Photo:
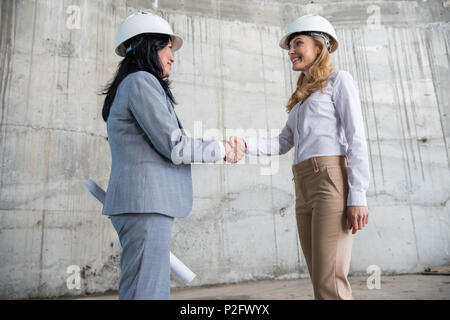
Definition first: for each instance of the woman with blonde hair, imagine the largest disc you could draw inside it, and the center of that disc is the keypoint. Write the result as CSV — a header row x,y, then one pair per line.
x,y
331,177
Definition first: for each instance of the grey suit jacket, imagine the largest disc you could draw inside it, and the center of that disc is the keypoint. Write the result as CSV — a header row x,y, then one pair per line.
x,y
151,154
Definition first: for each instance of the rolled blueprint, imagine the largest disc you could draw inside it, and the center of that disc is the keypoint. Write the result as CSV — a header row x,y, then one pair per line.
x,y
176,266
179,268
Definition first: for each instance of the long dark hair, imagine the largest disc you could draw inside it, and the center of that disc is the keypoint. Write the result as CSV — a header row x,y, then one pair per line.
x,y
143,57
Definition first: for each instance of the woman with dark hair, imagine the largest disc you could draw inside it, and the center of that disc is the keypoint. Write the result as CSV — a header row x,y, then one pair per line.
x,y
150,182
331,175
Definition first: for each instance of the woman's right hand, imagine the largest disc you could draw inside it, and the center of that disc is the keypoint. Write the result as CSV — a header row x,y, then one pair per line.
x,y
234,149
239,147
230,155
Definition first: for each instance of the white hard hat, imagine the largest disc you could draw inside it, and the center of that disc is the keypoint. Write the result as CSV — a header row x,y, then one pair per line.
x,y
144,22
312,23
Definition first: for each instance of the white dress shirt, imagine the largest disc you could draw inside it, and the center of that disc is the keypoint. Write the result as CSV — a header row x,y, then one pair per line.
x,y
317,127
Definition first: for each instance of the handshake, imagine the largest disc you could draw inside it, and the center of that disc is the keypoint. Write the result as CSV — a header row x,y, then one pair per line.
x,y
235,149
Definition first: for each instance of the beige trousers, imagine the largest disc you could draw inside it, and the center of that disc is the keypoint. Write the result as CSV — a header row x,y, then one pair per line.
x,y
321,189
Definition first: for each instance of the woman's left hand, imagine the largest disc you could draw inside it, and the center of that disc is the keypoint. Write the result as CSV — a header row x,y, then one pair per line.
x,y
357,217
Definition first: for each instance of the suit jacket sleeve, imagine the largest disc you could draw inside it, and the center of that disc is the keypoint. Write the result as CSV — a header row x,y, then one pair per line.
x,y
149,105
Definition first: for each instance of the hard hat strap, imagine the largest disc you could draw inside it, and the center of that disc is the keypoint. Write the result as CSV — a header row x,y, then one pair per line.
x,y
325,37
131,47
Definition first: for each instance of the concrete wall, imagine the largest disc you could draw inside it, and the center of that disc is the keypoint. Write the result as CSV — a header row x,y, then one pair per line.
x,y
230,73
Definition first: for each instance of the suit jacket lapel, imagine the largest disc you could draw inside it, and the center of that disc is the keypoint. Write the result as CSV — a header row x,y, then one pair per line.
x,y
172,110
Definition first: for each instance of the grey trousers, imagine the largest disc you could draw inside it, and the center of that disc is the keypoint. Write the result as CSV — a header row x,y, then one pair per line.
x,y
145,259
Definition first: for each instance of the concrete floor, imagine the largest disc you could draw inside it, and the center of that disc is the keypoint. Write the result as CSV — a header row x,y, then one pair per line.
x,y
408,287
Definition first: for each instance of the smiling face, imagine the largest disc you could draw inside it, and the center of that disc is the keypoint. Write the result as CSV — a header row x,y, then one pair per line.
x,y
166,58
302,52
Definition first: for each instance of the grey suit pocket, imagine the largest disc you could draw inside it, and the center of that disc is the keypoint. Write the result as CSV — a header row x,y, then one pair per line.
x,y
118,223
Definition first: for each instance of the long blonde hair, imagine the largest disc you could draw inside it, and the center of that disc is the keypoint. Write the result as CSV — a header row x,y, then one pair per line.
x,y
315,78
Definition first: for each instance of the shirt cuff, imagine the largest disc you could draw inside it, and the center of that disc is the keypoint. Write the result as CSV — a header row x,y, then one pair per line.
x,y
222,150
357,198
252,145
